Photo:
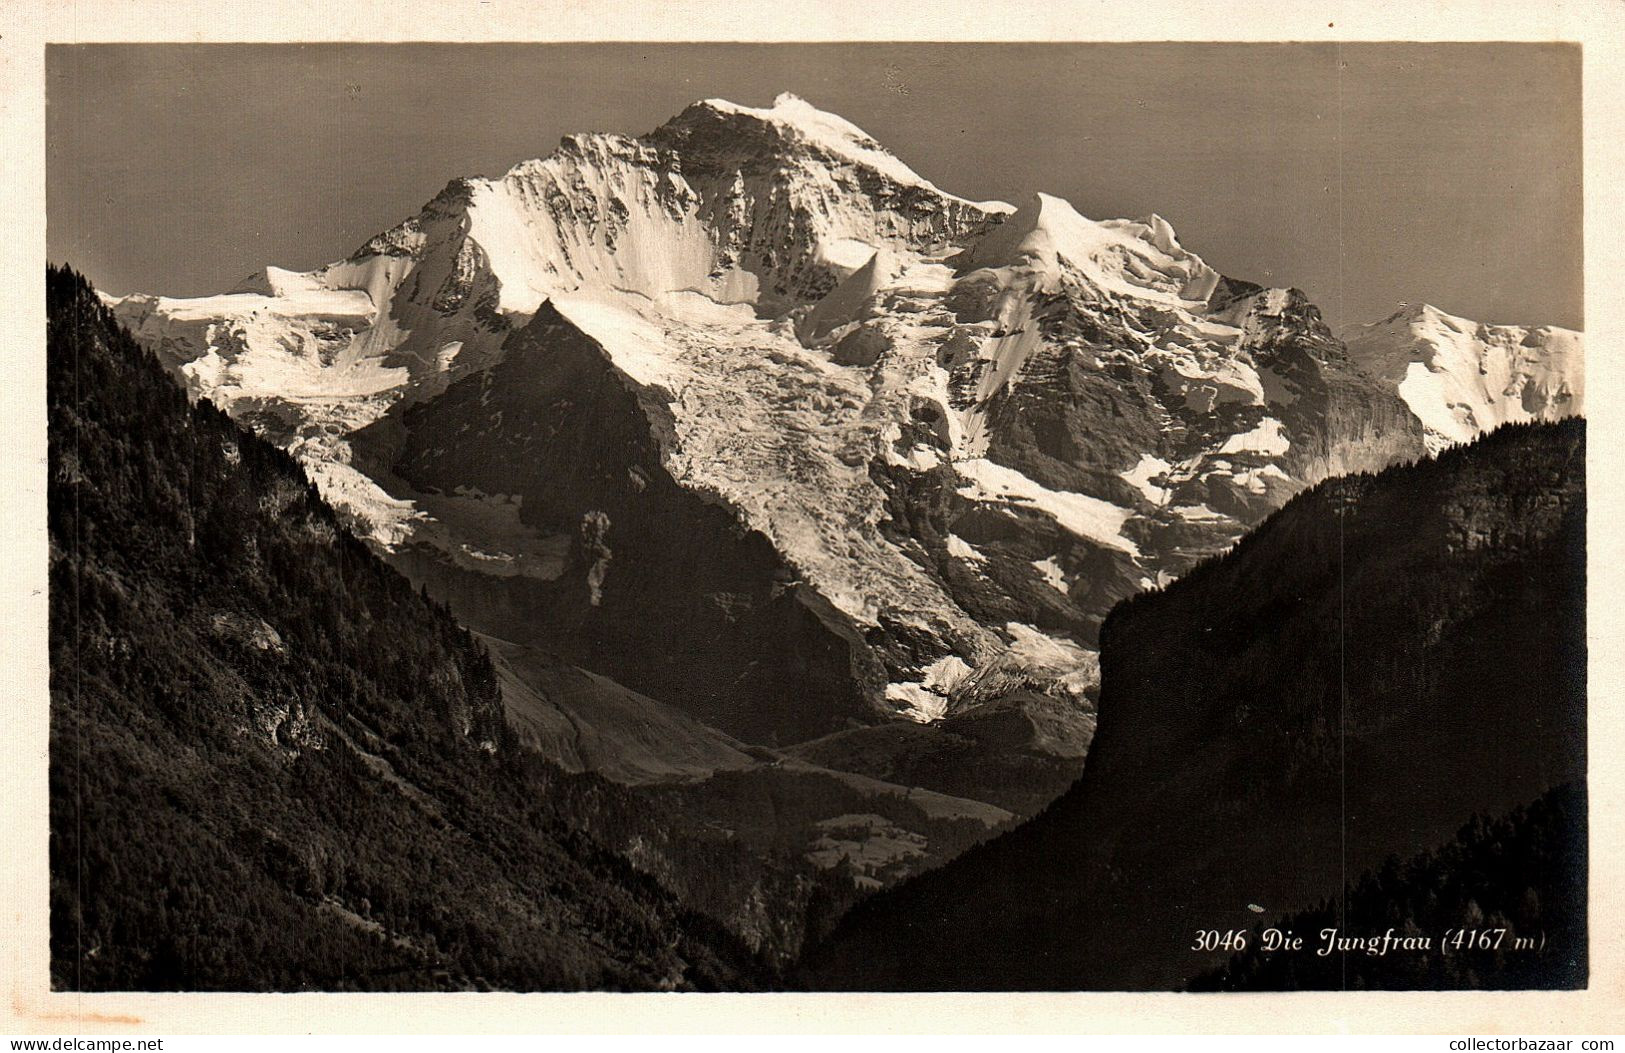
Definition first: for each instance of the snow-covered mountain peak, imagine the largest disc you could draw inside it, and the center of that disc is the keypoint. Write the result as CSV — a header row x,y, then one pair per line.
x,y
1422,317
798,123
791,111
1135,258
1463,378
1420,311
771,206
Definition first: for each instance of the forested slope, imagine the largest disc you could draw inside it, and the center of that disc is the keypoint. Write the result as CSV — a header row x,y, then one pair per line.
x,y
273,764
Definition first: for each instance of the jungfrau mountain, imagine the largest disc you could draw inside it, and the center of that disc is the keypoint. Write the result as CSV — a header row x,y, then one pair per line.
x,y
750,418
1290,736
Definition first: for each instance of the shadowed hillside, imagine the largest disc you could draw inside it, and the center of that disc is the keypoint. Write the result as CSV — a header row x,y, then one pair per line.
x,y
1384,658
276,766
1517,877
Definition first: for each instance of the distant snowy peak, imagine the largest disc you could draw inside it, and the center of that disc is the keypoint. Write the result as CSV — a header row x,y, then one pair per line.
x,y
796,118
770,206
1463,378
1137,258
798,122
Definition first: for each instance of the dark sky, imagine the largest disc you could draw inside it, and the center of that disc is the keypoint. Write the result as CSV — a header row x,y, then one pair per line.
x,y
1365,174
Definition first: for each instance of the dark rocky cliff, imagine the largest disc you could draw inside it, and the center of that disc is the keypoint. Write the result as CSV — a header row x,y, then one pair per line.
x,y
662,589
1381,660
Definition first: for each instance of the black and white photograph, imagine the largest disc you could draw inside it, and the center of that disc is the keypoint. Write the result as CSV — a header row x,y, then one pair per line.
x,y
831,516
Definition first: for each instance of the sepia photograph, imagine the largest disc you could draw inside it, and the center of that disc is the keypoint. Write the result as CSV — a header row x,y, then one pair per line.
x,y
962,517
